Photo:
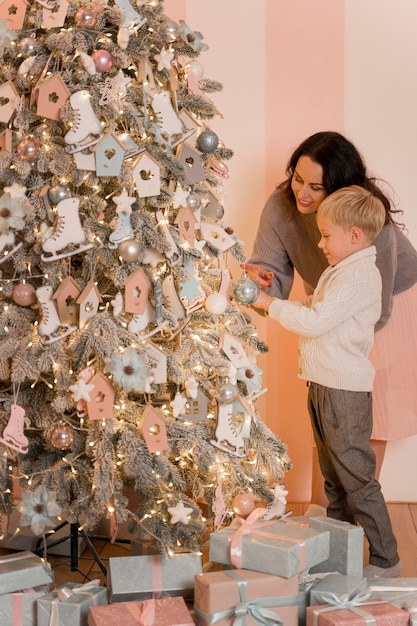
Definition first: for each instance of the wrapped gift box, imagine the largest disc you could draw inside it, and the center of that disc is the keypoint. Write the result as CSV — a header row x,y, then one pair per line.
x,y
382,613
143,577
217,595
69,604
19,608
162,612
344,587
270,547
139,548
346,547
306,582
401,592
23,570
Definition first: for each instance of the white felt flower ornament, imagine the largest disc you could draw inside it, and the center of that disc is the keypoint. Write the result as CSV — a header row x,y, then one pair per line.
x,y
130,370
192,37
12,212
39,509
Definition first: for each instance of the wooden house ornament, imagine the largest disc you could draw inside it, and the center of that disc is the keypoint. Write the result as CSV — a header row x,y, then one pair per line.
x,y
190,159
100,405
51,95
55,16
13,12
6,141
158,361
85,160
8,98
189,120
212,207
154,430
66,297
147,174
137,288
109,154
234,351
196,408
216,236
186,221
89,300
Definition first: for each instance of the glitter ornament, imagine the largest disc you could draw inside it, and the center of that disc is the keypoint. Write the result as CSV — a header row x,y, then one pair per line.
x,y
226,394
58,193
245,290
62,436
243,504
129,250
216,303
207,141
86,17
28,150
103,60
24,294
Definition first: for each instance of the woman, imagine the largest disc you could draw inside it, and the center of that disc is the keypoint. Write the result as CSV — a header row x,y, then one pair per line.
x,y
287,240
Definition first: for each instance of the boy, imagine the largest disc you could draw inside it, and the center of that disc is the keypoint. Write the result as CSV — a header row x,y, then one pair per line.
x,y
336,328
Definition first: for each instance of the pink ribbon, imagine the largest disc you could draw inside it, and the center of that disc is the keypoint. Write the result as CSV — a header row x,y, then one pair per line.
x,y
156,573
143,613
249,526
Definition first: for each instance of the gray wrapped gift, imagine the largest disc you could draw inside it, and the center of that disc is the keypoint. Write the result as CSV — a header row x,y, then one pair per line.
x,y
283,549
19,607
69,604
344,587
152,576
23,571
346,547
401,592
306,582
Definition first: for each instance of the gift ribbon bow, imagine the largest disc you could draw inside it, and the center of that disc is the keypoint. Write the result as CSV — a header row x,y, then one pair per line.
x,y
361,599
257,610
251,525
144,613
66,592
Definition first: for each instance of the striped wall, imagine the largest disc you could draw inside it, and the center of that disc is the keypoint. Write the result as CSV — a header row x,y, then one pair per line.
x,y
290,68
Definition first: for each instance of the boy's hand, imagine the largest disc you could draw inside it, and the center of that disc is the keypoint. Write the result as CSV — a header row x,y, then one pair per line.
x,y
263,302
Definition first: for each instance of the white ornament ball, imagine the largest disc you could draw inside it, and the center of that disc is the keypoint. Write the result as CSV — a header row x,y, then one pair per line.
x,y
196,67
243,504
129,250
24,294
207,141
227,394
216,303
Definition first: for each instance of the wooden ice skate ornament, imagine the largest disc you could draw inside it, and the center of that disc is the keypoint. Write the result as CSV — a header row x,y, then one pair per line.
x,y
100,405
171,126
132,19
57,240
154,430
86,130
50,325
226,436
124,230
13,436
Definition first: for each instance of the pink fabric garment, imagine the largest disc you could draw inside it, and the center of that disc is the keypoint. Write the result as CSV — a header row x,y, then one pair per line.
x,y
394,357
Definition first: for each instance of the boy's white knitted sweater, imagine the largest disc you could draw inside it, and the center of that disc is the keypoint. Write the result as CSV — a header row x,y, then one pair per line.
x,y
336,323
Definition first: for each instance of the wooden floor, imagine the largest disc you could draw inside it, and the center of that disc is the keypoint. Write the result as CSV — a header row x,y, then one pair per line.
x,y
403,517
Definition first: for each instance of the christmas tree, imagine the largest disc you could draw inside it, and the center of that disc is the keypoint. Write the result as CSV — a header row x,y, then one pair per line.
x,y
127,366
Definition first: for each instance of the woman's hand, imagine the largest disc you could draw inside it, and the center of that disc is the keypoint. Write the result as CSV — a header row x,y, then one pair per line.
x,y
257,273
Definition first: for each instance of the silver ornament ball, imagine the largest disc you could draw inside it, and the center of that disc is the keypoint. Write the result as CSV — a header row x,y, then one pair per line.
x,y
193,201
58,193
171,29
27,46
245,291
129,250
207,141
227,394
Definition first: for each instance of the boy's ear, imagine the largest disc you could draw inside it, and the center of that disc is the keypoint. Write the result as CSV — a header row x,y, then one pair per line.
x,y
355,234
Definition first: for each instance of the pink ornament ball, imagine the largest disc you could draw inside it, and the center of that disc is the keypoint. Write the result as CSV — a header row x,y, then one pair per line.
x,y
62,437
103,60
86,17
24,294
28,150
243,504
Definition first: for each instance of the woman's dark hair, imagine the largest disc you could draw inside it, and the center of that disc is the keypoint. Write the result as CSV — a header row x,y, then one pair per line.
x,y
342,166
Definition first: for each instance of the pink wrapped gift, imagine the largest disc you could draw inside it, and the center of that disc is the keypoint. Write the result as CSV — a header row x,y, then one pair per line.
x,y
221,598
163,612
359,611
